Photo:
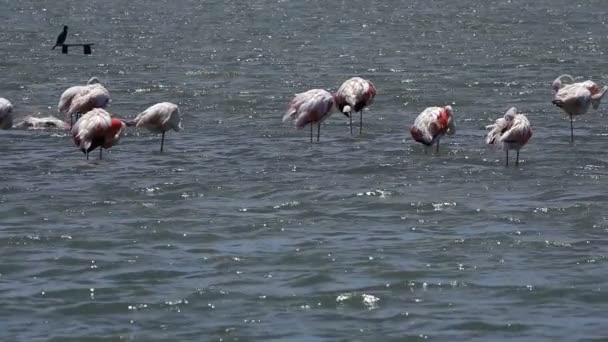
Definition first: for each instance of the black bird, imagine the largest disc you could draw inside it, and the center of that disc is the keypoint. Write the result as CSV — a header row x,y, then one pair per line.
x,y
61,37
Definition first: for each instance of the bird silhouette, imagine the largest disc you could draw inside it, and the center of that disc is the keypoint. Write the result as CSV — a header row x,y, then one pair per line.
x,y
61,37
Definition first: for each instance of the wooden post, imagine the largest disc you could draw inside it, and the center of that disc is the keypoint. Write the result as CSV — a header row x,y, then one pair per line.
x,y
86,47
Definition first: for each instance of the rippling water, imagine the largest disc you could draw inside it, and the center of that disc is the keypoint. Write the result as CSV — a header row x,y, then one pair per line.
x,y
242,230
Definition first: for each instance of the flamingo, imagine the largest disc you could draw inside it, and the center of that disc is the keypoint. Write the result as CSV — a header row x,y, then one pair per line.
x,y
6,114
159,118
513,131
433,123
65,102
42,123
310,107
95,129
353,95
61,37
575,98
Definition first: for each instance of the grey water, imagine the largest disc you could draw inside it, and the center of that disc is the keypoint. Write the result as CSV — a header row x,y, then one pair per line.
x,y
244,231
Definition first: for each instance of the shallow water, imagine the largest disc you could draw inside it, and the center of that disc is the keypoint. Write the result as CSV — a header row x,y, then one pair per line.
x,y
242,230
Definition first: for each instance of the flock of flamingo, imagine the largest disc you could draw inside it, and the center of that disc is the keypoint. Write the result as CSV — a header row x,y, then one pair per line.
x,y
92,127
511,132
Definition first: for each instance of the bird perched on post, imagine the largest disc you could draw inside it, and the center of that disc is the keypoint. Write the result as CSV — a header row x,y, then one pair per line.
x,y
159,118
513,131
61,37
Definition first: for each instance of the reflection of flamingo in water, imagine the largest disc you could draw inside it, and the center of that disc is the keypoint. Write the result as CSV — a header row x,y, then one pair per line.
x,y
432,124
512,131
310,107
575,98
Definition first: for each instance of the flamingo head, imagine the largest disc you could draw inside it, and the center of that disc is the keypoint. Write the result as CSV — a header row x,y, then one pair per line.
x,y
93,80
65,28
447,115
347,110
592,87
557,84
510,114
117,126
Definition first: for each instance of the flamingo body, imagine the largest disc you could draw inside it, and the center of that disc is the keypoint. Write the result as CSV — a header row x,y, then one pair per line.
x,y
512,131
6,114
353,95
89,97
159,118
32,122
576,98
97,128
432,124
310,107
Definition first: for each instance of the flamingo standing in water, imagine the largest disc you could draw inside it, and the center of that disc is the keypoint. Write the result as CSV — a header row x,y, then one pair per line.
x,y
513,131
65,101
310,107
95,129
575,98
432,124
6,114
353,95
159,118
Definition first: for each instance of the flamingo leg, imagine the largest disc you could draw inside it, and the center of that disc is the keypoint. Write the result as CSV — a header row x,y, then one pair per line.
x,y
162,142
311,132
437,148
318,131
350,116
87,153
100,152
507,159
517,159
361,121
571,129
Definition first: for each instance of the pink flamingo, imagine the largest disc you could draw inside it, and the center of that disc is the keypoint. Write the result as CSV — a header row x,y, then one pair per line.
x,y
310,107
6,114
353,95
513,131
159,118
65,101
575,98
95,129
432,124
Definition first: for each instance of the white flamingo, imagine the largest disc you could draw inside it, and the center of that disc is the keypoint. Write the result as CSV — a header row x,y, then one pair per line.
x,y
353,95
575,98
67,99
512,131
432,124
159,118
6,114
33,122
310,107
95,129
